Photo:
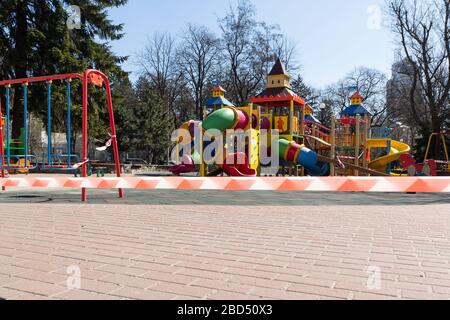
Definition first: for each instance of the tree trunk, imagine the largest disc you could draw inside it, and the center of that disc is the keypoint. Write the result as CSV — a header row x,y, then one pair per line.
x,y
437,142
20,67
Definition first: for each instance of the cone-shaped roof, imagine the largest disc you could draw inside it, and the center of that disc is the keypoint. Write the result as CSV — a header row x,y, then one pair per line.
x,y
356,95
218,102
278,68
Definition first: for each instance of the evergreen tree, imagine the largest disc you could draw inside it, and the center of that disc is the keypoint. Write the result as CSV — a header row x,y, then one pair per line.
x,y
36,39
145,125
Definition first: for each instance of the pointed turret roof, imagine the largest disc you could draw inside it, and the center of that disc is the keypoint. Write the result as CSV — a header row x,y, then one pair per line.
x,y
219,88
356,95
278,68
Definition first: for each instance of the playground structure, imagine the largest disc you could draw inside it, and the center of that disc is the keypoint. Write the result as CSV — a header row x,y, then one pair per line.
x,y
306,147
429,167
15,155
18,158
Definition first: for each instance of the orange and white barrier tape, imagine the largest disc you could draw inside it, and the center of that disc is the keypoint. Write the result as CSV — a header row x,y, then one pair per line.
x,y
329,184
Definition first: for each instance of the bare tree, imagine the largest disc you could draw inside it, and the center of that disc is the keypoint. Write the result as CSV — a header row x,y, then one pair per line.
x,y
197,58
370,83
286,49
158,63
273,44
238,30
251,47
423,30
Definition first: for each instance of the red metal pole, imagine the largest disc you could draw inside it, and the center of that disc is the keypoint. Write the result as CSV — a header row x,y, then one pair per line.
x,y
86,81
2,147
84,133
113,132
41,79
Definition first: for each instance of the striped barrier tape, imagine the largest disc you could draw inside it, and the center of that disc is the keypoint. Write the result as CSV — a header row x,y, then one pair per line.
x,y
329,184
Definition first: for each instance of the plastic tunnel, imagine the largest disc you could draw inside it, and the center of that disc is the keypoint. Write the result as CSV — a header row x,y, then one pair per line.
x,y
299,154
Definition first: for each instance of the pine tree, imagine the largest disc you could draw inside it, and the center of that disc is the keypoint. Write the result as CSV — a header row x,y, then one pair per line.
x,y
145,125
35,39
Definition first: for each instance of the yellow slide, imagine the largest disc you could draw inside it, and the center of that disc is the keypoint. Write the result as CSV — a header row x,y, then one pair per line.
x,y
397,149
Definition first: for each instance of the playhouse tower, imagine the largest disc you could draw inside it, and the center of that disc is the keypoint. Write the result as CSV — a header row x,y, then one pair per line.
x,y
217,101
352,131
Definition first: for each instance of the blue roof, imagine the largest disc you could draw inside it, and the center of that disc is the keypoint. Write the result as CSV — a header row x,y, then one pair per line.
x,y
309,117
354,110
218,102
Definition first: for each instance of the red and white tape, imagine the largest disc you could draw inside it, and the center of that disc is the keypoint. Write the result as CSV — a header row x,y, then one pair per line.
x,y
329,184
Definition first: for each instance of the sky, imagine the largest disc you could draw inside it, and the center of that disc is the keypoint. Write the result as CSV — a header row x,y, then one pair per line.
x,y
333,36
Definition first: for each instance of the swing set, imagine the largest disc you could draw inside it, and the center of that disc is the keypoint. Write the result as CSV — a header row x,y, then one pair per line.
x,y
17,157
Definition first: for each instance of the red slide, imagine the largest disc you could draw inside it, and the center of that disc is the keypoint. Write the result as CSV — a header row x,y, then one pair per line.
x,y
235,168
187,166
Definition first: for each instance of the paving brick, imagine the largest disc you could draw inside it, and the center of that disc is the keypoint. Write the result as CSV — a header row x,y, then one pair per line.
x,y
258,282
227,252
191,291
130,281
4,279
419,295
98,286
147,266
304,280
211,275
137,294
83,295
373,296
10,294
129,271
166,277
264,293
47,277
233,296
320,291
222,285
35,287
363,288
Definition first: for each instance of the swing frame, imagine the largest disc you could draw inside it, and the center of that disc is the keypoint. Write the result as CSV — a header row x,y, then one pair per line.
x,y
89,77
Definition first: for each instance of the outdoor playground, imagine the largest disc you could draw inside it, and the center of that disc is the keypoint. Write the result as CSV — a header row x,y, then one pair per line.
x,y
220,225
350,148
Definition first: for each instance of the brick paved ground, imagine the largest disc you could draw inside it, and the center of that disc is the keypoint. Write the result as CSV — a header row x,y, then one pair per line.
x,y
213,249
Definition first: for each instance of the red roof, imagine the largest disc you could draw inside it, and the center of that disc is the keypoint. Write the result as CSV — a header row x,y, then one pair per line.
x,y
271,95
357,95
219,88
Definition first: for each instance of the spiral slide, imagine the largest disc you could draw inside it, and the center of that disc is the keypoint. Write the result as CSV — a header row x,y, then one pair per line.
x,y
397,149
295,153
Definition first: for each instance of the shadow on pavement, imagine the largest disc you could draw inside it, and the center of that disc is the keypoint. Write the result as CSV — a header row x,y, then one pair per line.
x,y
228,198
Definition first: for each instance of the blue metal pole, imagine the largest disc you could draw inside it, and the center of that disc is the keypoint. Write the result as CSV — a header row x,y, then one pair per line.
x,y
389,166
68,124
8,129
25,123
49,122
